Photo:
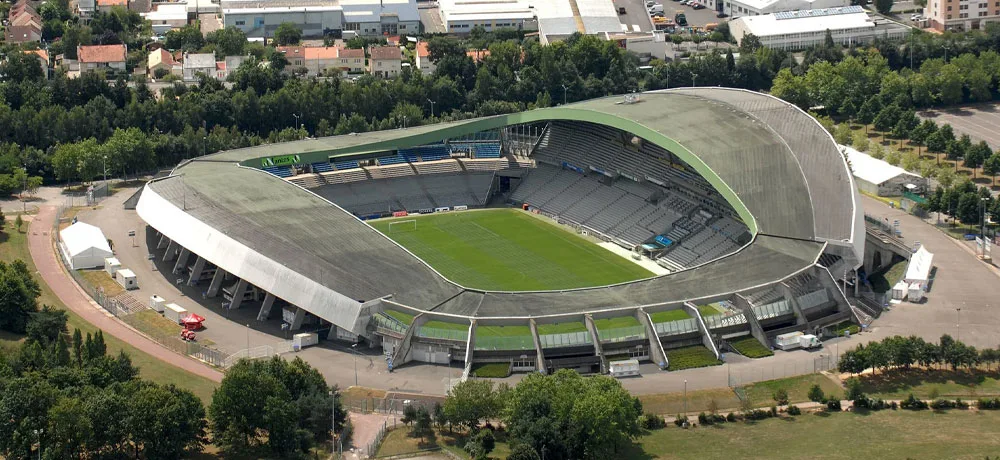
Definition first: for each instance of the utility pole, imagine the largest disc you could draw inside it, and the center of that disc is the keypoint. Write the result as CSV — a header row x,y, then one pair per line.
x,y
333,423
432,107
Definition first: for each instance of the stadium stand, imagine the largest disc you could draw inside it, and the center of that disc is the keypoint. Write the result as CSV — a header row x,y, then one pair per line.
x,y
414,193
391,160
280,171
437,167
322,167
342,165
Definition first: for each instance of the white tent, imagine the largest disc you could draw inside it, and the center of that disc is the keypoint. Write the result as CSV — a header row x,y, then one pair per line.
x,y
919,270
84,246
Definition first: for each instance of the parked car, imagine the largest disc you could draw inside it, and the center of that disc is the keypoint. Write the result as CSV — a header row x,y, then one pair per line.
x,y
698,6
621,10
658,14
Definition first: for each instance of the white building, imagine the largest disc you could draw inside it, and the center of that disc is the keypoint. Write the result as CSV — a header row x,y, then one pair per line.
x,y
198,63
461,16
796,30
876,177
557,21
424,63
739,8
315,19
84,246
167,16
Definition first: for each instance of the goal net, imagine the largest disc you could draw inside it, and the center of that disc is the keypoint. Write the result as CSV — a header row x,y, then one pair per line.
x,y
398,226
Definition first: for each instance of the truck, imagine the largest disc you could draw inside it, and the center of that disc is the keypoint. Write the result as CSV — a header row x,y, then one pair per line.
x,y
305,339
624,368
794,340
174,312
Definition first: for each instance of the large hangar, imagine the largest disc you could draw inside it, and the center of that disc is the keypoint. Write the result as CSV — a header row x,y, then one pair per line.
x,y
743,201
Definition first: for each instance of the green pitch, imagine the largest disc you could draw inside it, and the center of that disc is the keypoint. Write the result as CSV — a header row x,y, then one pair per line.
x,y
508,250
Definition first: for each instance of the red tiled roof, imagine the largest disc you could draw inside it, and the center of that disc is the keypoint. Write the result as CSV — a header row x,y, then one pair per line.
x,y
321,52
423,49
477,55
112,2
165,56
386,52
101,53
291,51
42,54
355,53
220,65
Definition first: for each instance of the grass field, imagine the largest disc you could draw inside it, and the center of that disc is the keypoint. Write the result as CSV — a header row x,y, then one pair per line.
x,y
503,331
490,370
404,318
443,325
750,347
762,393
669,315
101,279
615,323
561,328
710,309
13,245
690,357
899,383
510,250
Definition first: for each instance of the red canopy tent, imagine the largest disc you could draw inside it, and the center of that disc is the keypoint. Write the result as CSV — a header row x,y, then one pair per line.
x,y
192,321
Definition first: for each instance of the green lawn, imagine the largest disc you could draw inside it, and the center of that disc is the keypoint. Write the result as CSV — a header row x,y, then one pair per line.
x,y
561,328
490,370
510,250
882,435
690,357
13,245
762,393
446,326
669,315
398,442
404,318
616,322
710,309
899,383
503,331
750,347
886,277
842,327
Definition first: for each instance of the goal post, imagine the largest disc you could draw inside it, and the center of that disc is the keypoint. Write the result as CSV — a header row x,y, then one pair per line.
x,y
407,225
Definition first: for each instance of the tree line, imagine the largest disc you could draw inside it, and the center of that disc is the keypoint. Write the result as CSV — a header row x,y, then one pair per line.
x,y
905,352
63,396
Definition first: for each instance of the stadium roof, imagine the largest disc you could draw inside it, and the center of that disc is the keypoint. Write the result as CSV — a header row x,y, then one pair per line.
x,y
773,163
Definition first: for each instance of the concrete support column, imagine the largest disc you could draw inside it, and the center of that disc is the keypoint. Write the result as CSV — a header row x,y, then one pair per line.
x,y
241,289
213,288
265,308
800,318
300,316
755,328
656,353
199,265
181,260
595,337
164,242
171,251
539,355
706,335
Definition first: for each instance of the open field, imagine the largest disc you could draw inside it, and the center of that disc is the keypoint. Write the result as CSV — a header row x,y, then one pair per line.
x,y
13,245
444,325
509,250
710,309
690,357
750,347
669,315
615,323
899,383
762,393
101,279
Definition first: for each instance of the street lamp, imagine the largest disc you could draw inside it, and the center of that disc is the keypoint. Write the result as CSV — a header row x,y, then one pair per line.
x,y
104,162
333,422
432,106
296,118
353,346
982,202
565,89
24,187
685,397
958,324
694,79
946,48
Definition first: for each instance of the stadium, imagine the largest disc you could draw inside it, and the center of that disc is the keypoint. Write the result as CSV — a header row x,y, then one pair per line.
x,y
564,237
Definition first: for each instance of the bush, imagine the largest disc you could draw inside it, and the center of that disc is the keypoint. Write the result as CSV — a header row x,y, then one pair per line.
x,y
833,405
781,397
942,404
912,403
710,419
703,420
794,410
854,392
774,411
691,357
871,404
680,420
750,347
988,404
758,414
731,417
816,394
652,422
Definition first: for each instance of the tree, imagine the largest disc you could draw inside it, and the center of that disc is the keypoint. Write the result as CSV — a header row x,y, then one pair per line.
x,y
991,166
976,156
750,43
230,41
842,134
816,394
18,296
409,414
791,88
187,38
287,33
472,401
859,140
21,66
854,390
422,426
781,397
887,118
18,222
523,452
46,325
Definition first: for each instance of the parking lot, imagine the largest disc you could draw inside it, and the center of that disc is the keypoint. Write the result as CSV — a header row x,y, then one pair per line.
x,y
978,121
635,14
695,18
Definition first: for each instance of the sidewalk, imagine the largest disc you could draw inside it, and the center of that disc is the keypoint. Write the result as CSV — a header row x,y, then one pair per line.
x,y
40,243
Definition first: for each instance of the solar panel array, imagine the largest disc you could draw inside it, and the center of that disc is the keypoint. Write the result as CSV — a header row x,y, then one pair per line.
x,y
818,13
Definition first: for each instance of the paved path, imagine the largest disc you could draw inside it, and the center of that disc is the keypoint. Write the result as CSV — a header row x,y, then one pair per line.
x,y
64,287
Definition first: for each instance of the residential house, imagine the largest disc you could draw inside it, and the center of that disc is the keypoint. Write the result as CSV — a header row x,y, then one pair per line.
x,y
22,34
296,57
86,8
105,6
198,63
385,61
314,60
108,58
229,64
162,59
351,60
166,17
43,60
424,62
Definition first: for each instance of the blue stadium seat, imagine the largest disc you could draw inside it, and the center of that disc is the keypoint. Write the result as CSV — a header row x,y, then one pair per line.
x,y
322,167
488,150
342,165
391,160
409,154
280,171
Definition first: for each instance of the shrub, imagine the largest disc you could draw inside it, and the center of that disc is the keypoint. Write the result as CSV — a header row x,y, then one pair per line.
x,y
870,404
680,420
794,410
774,411
652,422
854,392
816,394
781,397
833,405
758,414
731,417
912,403
988,404
942,404
959,404
703,420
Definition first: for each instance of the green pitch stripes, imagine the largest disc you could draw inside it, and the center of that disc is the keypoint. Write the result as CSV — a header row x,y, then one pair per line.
x,y
510,250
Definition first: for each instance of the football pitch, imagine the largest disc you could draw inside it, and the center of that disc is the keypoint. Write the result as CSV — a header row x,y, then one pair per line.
x,y
508,250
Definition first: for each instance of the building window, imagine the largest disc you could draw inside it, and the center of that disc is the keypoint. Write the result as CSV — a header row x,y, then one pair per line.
x,y
949,16
949,7
352,26
241,23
